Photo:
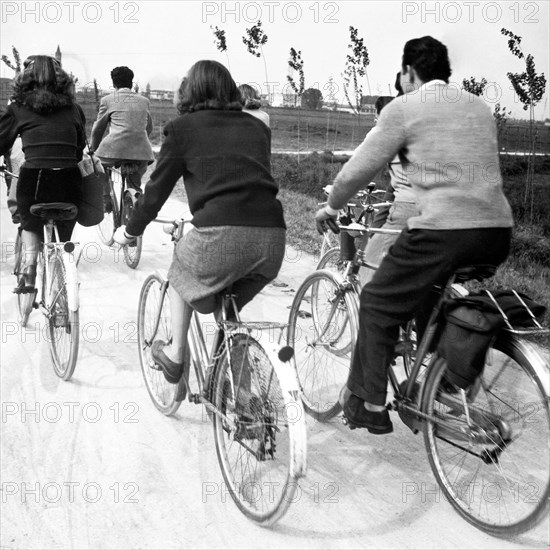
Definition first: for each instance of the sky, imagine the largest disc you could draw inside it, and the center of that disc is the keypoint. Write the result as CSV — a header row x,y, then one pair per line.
x,y
159,40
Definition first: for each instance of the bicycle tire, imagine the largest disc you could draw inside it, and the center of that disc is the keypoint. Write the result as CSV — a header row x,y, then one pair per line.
x,y
165,396
111,220
330,240
132,252
512,465
320,329
256,444
62,323
331,260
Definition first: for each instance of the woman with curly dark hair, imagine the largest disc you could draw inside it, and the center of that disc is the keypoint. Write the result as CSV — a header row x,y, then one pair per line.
x,y
51,125
238,236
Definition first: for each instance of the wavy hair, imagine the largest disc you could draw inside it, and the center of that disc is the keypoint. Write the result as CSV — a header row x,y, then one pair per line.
x,y
208,85
428,57
250,98
43,86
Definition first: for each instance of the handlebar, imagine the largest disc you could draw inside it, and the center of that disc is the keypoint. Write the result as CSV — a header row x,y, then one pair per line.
x,y
359,228
4,168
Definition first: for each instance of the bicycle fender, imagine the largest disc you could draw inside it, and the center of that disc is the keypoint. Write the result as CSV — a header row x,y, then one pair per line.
x,y
72,280
133,194
540,366
294,410
162,274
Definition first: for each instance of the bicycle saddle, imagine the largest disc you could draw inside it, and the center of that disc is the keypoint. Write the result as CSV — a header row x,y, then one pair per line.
x,y
57,211
477,272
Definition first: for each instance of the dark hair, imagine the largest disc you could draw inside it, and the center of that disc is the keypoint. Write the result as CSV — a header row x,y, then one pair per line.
x,y
208,85
397,84
122,77
43,86
250,98
428,57
381,102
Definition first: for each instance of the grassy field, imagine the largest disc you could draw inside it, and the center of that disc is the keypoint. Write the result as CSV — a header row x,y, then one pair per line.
x,y
302,130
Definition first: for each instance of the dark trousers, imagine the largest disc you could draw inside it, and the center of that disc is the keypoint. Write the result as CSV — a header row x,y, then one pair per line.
x,y
402,284
133,177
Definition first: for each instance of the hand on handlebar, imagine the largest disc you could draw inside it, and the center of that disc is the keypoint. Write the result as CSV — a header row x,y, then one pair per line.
x,y
324,221
122,238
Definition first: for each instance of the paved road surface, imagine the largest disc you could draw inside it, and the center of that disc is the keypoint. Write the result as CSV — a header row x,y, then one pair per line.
x,y
92,464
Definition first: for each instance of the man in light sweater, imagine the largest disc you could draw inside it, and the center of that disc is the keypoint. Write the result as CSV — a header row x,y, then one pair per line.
x,y
447,143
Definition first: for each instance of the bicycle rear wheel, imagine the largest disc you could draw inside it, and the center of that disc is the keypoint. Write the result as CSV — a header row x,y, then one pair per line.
x,y
154,323
258,442
111,220
132,252
495,471
323,331
62,323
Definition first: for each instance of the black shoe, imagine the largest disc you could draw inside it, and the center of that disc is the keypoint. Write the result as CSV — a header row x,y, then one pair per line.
x,y
376,422
172,371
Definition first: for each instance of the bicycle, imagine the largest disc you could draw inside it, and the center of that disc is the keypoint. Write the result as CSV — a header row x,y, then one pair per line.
x,y
360,209
250,393
57,280
487,444
323,369
122,201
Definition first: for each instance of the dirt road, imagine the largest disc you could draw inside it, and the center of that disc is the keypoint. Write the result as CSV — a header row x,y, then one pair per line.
x,y
91,463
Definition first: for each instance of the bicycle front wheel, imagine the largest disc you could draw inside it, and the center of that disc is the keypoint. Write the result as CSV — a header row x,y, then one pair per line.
x,y
62,323
323,331
330,240
491,458
255,432
132,252
154,323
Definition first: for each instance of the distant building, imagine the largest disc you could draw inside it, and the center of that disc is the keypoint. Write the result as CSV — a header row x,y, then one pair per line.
x,y
58,55
161,95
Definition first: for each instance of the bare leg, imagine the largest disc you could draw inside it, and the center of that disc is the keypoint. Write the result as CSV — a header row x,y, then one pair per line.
x,y
181,318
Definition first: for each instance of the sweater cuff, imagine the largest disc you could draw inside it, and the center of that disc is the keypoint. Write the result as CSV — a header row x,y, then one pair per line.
x,y
331,211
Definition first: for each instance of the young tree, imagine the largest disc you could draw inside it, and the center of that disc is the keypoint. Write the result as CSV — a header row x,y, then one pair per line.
x,y
356,68
16,65
477,88
296,63
473,86
254,41
147,93
529,87
221,43
312,98
96,95
136,88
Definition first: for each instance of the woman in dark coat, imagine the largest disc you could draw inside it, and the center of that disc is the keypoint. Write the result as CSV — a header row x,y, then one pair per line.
x,y
51,125
238,235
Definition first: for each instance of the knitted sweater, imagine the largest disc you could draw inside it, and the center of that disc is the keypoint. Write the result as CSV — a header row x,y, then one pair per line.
x,y
224,158
50,140
447,143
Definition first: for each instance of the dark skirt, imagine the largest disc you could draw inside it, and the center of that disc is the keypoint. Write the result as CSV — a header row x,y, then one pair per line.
x,y
37,185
